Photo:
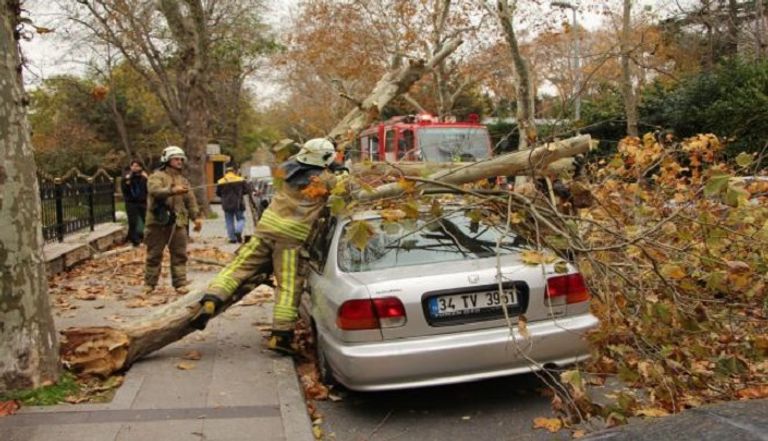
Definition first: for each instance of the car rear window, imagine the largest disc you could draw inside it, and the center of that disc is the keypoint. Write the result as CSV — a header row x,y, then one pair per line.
x,y
454,237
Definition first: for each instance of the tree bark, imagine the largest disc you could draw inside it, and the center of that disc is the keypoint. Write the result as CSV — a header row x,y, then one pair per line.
x,y
28,345
521,162
389,87
630,104
525,112
103,350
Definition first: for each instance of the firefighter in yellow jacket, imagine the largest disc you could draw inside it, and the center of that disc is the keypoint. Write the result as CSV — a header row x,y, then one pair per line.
x,y
278,239
170,207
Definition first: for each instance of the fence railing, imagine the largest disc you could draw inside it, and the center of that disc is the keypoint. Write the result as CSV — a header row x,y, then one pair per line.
x,y
74,202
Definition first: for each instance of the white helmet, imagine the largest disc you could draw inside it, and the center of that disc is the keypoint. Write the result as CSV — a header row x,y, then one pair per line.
x,y
317,151
172,152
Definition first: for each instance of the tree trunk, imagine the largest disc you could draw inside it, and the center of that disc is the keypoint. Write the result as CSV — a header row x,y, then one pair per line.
x,y
524,87
102,350
527,161
630,104
195,142
389,87
28,344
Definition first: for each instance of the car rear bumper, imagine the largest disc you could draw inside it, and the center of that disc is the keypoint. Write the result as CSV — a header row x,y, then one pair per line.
x,y
460,357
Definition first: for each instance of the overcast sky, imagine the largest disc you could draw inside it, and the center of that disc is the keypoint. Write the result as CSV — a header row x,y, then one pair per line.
x,y
51,54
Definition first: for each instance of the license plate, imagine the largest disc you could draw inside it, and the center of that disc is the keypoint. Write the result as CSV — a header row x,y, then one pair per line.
x,y
468,304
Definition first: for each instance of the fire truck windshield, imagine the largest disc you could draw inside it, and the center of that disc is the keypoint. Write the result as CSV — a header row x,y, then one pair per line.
x,y
457,144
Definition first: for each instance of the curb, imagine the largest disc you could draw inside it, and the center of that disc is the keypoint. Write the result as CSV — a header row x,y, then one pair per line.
x,y
293,407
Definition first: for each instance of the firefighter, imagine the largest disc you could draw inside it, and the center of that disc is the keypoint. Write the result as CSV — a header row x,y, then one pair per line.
x,y
170,206
278,240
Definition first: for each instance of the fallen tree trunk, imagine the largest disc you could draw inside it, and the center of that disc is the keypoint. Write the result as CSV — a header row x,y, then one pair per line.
x,y
419,168
516,163
103,350
389,87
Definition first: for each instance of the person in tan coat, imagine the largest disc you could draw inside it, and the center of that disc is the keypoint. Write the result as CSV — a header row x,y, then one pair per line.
x,y
306,182
170,207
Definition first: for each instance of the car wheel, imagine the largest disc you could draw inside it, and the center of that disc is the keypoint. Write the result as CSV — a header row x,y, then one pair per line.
x,y
323,366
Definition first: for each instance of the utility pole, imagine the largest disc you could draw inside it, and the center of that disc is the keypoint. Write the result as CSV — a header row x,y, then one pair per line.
x,y
576,57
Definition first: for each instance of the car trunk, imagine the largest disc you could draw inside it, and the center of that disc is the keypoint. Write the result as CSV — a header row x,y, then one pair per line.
x,y
458,296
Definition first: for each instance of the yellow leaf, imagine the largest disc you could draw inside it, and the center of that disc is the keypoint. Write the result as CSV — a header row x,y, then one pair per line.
x,y
407,185
392,215
522,326
551,424
359,232
674,272
185,365
653,412
411,210
533,257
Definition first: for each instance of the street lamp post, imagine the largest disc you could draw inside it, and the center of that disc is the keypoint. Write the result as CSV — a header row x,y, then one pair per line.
x,y
576,58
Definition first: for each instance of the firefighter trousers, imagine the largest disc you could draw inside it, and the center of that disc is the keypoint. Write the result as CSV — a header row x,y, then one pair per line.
x,y
156,238
260,255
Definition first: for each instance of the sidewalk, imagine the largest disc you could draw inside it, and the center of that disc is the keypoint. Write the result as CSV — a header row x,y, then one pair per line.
x,y
80,246
237,390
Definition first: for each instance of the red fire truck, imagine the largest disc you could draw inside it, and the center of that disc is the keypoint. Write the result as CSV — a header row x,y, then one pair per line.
x,y
423,138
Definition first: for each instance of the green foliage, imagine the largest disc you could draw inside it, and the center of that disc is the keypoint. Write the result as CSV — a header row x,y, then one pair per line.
x,y
46,395
731,101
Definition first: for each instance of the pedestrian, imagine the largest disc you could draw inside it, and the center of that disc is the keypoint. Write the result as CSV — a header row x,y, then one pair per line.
x,y
134,187
171,206
230,189
278,240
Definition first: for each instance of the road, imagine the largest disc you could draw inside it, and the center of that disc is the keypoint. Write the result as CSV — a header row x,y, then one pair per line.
x,y
499,409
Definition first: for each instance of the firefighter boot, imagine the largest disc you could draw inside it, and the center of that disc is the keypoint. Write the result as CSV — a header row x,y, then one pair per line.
x,y
281,341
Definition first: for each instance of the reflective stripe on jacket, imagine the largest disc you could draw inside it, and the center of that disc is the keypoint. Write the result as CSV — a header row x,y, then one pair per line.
x,y
292,213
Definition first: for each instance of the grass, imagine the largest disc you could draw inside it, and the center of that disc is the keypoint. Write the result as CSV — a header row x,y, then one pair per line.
x,y
46,395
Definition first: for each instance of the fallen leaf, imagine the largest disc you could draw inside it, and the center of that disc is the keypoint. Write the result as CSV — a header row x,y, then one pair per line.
x,y
551,424
579,434
335,398
653,412
522,326
533,257
317,431
8,407
185,366
754,392
192,355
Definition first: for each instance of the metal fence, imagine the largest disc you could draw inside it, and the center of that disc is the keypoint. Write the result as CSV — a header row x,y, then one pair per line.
x,y
75,202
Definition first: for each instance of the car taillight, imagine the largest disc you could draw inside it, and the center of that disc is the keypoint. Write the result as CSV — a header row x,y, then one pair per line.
x,y
387,312
570,286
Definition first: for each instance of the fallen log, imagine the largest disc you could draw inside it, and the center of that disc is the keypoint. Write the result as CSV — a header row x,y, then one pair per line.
x,y
103,350
419,168
512,164
389,87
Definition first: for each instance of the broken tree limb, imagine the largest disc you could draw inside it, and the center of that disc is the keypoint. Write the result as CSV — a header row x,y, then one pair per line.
x,y
389,87
516,163
421,168
104,350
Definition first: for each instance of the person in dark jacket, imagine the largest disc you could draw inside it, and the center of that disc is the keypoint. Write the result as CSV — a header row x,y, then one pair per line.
x,y
231,189
135,196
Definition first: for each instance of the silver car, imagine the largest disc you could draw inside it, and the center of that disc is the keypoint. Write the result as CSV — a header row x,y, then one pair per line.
x,y
421,304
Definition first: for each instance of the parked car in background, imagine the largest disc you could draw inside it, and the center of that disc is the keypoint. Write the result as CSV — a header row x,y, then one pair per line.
x,y
422,305
263,190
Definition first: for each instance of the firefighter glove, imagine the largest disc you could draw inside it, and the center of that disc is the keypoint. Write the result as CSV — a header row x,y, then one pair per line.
x,y
209,305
